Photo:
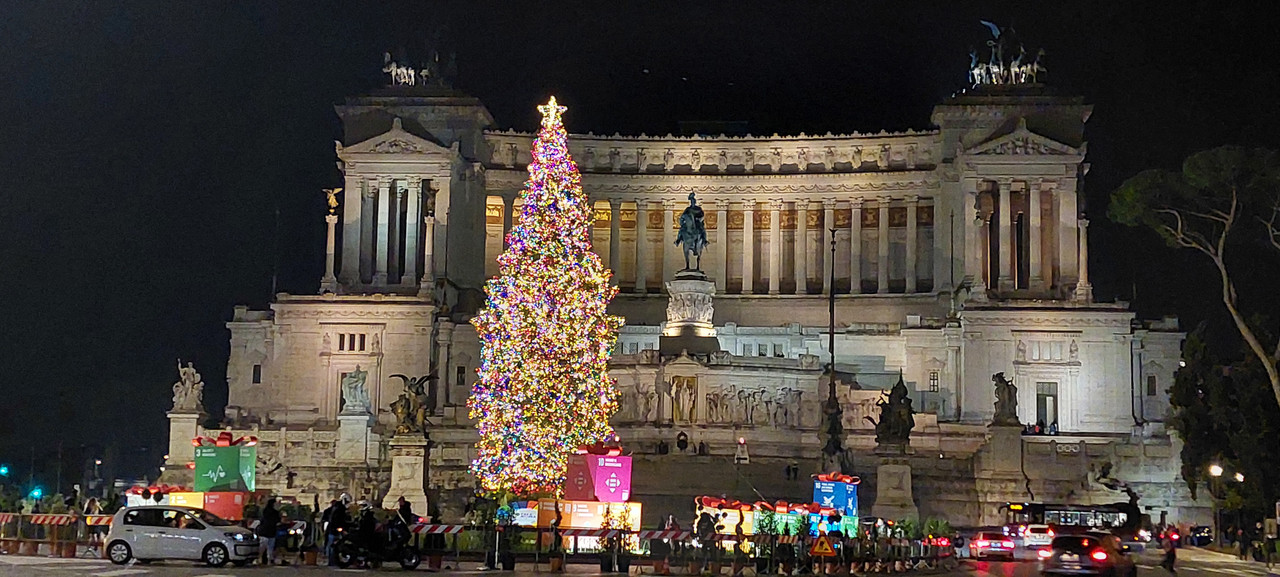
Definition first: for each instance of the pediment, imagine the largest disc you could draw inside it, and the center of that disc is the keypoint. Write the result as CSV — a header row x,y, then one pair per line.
x,y
396,141
1022,142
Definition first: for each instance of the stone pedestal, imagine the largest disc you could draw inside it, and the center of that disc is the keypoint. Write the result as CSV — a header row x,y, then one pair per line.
x,y
689,310
183,427
408,472
356,442
997,468
893,491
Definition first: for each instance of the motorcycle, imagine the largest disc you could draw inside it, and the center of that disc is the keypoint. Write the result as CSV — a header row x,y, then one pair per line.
x,y
391,542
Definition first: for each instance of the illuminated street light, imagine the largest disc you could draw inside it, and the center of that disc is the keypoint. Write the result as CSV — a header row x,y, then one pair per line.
x,y
97,461
1239,477
1215,470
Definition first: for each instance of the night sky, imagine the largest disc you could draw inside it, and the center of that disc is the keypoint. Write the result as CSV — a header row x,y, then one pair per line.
x,y
147,147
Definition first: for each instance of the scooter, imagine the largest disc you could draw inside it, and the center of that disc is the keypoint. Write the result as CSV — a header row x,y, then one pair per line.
x,y
392,544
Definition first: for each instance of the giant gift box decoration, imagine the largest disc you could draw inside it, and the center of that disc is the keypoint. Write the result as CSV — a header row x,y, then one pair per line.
x,y
223,464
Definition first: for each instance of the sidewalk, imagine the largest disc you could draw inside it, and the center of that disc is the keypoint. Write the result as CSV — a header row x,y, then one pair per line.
x,y
1200,554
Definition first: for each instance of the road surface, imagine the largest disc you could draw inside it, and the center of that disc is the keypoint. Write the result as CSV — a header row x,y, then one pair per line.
x,y
1191,563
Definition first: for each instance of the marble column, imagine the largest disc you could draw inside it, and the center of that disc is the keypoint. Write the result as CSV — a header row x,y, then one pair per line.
x,y
971,218
748,246
855,246
330,283
913,203
444,337
882,268
508,208
351,230
775,246
721,241
393,231
672,258
615,240
380,256
801,247
1084,290
1036,274
1006,237
413,231
642,256
828,223
426,286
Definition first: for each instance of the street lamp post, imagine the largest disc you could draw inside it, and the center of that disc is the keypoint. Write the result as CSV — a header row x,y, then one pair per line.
x,y
1215,489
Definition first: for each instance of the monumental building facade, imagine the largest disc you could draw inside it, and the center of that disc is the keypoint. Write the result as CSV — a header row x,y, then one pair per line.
x,y
960,251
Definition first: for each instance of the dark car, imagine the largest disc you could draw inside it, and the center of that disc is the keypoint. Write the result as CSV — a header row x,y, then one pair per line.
x,y
1092,553
1201,536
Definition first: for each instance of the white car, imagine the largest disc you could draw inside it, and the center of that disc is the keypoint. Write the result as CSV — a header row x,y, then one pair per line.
x,y
161,532
1037,536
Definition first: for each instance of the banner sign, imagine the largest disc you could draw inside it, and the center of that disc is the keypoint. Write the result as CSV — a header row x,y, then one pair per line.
x,y
225,469
604,478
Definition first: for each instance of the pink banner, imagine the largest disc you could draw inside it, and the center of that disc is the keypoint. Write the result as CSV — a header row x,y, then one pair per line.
x,y
612,477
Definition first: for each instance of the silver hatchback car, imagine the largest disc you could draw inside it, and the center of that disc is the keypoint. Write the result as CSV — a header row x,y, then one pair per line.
x,y
162,532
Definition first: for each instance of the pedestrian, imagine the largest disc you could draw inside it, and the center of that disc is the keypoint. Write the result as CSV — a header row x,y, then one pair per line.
x,y
336,522
268,527
405,509
91,507
1242,548
1170,554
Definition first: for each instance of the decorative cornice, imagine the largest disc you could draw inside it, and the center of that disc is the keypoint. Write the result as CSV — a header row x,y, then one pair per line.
x,y
1022,318
605,185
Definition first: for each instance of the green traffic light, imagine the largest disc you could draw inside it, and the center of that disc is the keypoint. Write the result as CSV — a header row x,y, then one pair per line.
x,y
37,493
4,470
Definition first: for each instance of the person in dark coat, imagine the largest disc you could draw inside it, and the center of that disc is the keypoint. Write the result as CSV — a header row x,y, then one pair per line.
x,y
336,522
268,527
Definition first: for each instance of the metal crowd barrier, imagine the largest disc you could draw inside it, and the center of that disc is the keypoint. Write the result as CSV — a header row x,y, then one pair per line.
x,y
54,535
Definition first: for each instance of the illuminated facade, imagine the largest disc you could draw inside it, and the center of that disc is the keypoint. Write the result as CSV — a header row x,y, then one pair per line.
x,y
960,251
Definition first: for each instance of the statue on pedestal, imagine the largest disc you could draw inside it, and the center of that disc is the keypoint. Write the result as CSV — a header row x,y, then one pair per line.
x,y
693,234
354,394
896,417
1006,402
414,404
835,457
188,392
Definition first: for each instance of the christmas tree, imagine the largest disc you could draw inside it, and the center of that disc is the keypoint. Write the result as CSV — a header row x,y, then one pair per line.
x,y
545,337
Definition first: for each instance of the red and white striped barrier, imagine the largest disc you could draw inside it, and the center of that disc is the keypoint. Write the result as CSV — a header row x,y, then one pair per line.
x,y
97,520
607,533
433,529
52,519
675,534
8,517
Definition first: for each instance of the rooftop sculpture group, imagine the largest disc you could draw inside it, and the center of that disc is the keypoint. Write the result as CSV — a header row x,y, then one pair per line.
x,y
1003,66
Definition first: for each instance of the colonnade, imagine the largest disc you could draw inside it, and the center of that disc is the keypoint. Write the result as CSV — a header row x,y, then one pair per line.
x,y
789,248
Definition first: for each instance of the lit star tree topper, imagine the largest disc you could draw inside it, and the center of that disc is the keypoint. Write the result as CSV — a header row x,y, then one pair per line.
x,y
544,388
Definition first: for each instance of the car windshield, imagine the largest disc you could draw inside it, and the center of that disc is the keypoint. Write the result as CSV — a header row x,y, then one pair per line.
x,y
1038,530
212,519
1075,543
991,536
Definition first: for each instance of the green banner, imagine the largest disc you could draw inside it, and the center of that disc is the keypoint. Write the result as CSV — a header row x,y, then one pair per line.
x,y
224,469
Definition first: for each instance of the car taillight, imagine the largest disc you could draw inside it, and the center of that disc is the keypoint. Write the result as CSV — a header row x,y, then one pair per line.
x,y
1008,544
1099,555
1044,553
1050,532
1174,536
944,542
980,543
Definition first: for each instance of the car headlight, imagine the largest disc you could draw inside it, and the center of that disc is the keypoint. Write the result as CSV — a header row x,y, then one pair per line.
x,y
235,536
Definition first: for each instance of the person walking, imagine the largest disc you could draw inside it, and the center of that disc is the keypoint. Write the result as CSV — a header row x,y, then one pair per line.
x,y
268,527
1170,554
337,523
92,507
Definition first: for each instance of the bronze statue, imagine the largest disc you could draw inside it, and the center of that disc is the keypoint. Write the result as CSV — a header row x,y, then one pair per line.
x,y
1006,401
693,234
896,416
414,404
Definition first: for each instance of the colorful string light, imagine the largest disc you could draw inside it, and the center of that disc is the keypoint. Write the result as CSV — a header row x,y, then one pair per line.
x,y
545,335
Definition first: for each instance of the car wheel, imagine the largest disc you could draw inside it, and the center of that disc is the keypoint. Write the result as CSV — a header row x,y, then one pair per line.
x,y
119,552
215,555
343,557
410,558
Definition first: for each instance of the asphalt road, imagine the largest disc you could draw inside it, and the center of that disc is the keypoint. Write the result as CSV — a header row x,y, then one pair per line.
x,y
1191,563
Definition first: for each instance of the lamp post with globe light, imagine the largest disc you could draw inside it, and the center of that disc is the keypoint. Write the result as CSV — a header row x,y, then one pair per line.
x,y
1215,480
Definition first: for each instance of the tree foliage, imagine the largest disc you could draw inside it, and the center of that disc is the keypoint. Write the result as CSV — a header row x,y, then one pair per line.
x,y
1226,416
1222,198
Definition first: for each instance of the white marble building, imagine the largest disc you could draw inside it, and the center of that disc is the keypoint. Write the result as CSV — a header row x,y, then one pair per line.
x,y
960,251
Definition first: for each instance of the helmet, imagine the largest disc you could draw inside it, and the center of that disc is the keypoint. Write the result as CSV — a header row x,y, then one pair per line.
x,y
364,505
345,498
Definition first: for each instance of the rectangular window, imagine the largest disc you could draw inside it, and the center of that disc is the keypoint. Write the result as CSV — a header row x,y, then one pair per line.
x,y
362,335
632,348
777,350
257,374
762,350
462,375
1046,404
934,381
1151,385
342,341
